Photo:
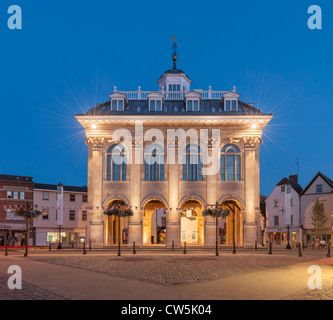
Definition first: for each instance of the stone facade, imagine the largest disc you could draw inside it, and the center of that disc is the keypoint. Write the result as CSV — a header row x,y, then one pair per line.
x,y
241,128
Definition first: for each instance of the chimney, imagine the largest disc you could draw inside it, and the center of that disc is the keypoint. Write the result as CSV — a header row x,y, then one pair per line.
x,y
294,178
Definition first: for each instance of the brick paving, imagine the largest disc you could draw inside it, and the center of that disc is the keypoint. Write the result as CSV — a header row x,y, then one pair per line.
x,y
28,291
179,270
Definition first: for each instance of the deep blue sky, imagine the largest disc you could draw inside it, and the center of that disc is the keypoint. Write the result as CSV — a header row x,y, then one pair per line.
x,y
71,53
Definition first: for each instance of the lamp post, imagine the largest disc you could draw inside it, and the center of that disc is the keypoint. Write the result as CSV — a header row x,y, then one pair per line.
x,y
27,232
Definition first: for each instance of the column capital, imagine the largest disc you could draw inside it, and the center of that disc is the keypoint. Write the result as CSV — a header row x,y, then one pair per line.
x,y
95,142
251,141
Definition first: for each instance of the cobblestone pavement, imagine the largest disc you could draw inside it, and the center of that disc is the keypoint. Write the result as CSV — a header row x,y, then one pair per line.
x,y
28,292
178,270
325,293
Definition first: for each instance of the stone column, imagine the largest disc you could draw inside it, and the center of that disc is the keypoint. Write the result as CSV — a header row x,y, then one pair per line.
x,y
135,223
172,216
252,190
95,191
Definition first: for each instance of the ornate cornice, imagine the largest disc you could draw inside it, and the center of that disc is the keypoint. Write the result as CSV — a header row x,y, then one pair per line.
x,y
251,141
95,142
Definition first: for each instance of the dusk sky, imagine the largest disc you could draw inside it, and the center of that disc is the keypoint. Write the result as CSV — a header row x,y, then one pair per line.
x,y
70,54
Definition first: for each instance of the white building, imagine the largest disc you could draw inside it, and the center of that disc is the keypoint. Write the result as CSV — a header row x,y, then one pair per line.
x,y
321,188
277,215
179,187
74,214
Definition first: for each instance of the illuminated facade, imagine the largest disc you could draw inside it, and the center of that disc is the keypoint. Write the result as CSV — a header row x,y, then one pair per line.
x,y
169,191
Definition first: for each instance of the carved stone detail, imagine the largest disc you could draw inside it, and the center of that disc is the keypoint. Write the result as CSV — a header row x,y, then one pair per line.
x,y
250,142
95,142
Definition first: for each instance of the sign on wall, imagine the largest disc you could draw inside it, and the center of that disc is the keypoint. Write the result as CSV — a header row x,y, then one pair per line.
x,y
60,205
288,205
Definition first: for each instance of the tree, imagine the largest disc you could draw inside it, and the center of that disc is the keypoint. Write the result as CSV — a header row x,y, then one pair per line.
x,y
27,214
318,217
119,210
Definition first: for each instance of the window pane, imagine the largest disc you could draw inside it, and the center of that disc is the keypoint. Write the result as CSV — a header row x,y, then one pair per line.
x,y
152,105
230,168
227,105
222,168
124,169
178,87
116,168
120,105
158,105
108,168
234,108
195,105
174,87
189,105
15,195
114,105
238,168
22,195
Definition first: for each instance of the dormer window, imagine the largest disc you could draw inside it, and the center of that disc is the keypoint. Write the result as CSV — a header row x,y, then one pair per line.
x,y
117,104
192,100
118,101
155,104
155,101
230,101
231,105
192,105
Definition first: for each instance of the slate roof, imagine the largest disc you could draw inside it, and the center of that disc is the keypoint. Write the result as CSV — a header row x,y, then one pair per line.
x,y
45,186
7,177
292,183
173,107
319,174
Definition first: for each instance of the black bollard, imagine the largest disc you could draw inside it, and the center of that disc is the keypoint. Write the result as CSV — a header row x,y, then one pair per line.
x,y
255,246
300,250
328,251
217,248
84,248
50,246
6,248
134,251
270,247
173,245
185,248
90,245
234,248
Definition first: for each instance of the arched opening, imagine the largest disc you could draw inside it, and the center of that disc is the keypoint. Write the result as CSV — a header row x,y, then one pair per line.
x,y
192,223
231,227
154,223
114,226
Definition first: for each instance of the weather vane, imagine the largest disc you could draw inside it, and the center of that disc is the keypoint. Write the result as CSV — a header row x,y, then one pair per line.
x,y
174,46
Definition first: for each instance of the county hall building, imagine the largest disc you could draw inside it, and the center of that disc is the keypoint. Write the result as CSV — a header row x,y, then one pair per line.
x,y
168,193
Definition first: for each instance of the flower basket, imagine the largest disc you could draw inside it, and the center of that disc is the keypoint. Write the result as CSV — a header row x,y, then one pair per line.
x,y
216,212
119,212
28,214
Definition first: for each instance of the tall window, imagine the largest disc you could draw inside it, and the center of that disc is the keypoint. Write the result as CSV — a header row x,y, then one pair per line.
x,y
45,196
276,220
192,165
116,163
154,163
230,163
9,214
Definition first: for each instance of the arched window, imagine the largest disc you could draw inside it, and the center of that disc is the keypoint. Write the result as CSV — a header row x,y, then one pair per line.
x,y
154,163
116,163
192,164
230,163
